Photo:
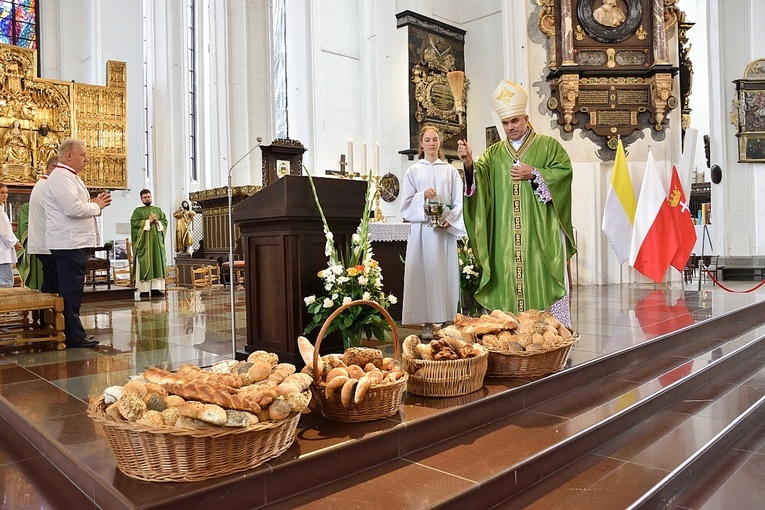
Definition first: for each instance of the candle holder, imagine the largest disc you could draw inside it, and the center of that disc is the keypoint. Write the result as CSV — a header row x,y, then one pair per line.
x,y
378,217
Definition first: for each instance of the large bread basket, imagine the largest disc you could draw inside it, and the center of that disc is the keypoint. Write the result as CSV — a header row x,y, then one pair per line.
x,y
527,364
380,401
174,454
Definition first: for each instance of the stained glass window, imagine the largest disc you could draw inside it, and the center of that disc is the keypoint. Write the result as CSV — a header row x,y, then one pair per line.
x,y
18,22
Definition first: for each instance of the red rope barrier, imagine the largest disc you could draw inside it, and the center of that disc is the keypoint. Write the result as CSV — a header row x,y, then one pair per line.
x,y
723,287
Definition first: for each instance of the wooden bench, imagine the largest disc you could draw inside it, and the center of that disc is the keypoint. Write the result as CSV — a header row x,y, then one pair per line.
x,y
739,273
28,315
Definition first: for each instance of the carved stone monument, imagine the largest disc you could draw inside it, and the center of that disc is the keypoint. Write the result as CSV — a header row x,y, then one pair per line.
x,y
610,71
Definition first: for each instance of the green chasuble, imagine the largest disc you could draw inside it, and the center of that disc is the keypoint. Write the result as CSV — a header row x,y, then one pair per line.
x,y
148,245
29,266
518,240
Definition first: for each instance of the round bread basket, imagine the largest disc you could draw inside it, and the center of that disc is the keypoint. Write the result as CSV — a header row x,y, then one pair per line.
x,y
529,363
380,401
174,454
445,378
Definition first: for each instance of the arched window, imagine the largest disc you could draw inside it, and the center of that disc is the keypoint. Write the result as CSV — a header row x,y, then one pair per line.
x,y
18,23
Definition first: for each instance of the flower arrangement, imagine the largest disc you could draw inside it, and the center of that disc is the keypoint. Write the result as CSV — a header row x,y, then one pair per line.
x,y
470,275
349,276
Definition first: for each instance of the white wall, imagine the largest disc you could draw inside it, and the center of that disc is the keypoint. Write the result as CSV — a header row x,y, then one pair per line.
x,y
77,38
347,80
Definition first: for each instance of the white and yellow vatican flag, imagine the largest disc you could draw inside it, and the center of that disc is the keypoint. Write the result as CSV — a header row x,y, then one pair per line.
x,y
619,212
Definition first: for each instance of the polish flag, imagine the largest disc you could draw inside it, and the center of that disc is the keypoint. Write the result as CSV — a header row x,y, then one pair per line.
x,y
619,211
681,214
654,237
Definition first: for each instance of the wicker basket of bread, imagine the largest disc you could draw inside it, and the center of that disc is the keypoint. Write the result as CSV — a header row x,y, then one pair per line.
x,y
530,344
195,424
447,366
360,384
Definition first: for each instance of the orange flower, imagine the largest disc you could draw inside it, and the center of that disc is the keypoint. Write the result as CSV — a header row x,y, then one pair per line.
x,y
373,263
352,271
320,274
359,269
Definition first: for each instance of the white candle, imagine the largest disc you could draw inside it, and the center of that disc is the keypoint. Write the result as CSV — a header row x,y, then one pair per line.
x,y
350,156
377,159
364,168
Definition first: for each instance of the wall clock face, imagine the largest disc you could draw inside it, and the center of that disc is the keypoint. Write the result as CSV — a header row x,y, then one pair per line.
x,y
389,187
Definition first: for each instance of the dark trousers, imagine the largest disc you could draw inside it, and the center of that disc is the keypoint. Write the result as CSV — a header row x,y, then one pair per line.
x,y
71,283
50,274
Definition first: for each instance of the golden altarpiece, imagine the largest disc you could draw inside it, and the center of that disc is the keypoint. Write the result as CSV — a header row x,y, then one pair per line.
x,y
36,114
610,70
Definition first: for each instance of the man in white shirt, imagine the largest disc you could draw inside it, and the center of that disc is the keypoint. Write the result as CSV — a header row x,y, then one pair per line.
x,y
71,229
36,231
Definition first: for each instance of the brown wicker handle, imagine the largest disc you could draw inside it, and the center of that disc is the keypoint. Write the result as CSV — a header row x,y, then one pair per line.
x,y
325,326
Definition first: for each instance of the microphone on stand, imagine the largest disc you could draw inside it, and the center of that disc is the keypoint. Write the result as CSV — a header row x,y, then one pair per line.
x,y
259,140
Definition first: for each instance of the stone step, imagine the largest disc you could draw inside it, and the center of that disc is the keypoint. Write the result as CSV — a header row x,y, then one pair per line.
x,y
659,454
328,456
539,434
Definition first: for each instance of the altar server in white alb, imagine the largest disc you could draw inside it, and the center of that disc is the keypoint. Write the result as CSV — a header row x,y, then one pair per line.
x,y
431,272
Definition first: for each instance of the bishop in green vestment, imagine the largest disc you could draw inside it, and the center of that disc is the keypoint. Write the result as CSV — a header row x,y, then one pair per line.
x,y
518,214
148,225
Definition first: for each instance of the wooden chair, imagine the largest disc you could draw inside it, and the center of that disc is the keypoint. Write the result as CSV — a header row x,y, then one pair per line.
x,y
97,269
122,274
200,277
712,266
172,276
213,274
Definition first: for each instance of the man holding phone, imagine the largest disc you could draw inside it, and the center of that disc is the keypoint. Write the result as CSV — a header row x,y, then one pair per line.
x,y
71,230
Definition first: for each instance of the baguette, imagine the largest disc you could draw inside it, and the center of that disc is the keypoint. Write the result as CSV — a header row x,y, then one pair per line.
x,y
187,376
212,395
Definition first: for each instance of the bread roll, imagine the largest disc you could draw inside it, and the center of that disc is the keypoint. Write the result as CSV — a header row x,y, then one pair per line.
x,y
259,371
174,401
298,401
279,409
348,392
209,413
425,352
188,422
302,381
151,418
170,416
356,372
113,412
362,388
112,394
269,357
305,347
131,406
237,419
336,372
362,355
136,387
409,347
335,384
155,403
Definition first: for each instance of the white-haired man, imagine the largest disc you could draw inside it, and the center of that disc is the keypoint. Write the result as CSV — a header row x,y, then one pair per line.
x,y
71,230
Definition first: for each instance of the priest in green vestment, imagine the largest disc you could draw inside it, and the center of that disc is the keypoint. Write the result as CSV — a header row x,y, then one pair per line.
x,y
148,225
518,213
29,266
